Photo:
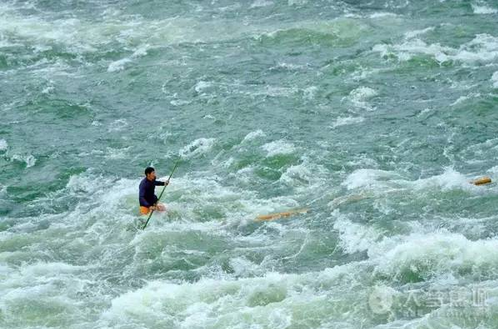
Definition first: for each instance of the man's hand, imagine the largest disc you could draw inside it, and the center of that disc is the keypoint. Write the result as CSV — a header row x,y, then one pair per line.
x,y
152,207
166,183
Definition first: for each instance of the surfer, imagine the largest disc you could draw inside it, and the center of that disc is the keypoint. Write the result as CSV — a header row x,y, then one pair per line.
x,y
147,198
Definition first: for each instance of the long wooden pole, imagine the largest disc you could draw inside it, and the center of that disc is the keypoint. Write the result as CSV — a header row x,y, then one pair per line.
x,y
160,195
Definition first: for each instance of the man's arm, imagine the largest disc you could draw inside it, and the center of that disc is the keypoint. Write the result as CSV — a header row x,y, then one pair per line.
x,y
159,183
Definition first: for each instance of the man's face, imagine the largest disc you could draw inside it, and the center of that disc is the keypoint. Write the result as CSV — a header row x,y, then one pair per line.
x,y
151,176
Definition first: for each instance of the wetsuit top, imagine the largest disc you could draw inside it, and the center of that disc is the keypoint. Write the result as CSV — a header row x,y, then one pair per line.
x,y
147,197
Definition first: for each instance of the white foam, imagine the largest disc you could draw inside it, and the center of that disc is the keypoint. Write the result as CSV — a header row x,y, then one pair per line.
x,y
113,153
244,267
364,178
179,102
305,176
185,303
363,73
481,7
309,93
49,269
483,48
29,159
383,15
268,301
202,85
405,51
118,125
362,161
87,184
244,175
261,3
161,299
227,163
380,181
355,237
48,90
450,179
259,302
279,147
424,111
433,253
297,2
351,15
290,66
462,99
198,147
343,121
140,51
360,95
253,135
416,33
3,145
276,91
94,35
297,174
494,79
120,65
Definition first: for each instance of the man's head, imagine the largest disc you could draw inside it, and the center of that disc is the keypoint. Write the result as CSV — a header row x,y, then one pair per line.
x,y
150,173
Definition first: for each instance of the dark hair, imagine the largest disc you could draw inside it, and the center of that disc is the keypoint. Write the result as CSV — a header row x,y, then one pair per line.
x,y
148,170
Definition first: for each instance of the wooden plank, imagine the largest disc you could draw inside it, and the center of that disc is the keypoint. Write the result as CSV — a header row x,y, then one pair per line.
x,y
481,181
281,214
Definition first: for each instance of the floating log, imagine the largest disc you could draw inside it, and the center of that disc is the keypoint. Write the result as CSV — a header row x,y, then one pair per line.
x,y
481,181
281,214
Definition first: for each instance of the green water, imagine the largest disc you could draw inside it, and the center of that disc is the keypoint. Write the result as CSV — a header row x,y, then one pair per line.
x,y
375,115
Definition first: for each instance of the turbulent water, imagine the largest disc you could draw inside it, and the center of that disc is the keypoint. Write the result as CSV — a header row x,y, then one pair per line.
x,y
374,114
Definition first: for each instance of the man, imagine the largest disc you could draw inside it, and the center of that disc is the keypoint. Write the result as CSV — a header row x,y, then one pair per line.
x,y
148,200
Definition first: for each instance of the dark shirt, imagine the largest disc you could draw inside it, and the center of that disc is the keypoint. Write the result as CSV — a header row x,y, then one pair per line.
x,y
147,197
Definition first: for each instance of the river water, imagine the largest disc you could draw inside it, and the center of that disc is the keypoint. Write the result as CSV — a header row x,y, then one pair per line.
x,y
374,115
